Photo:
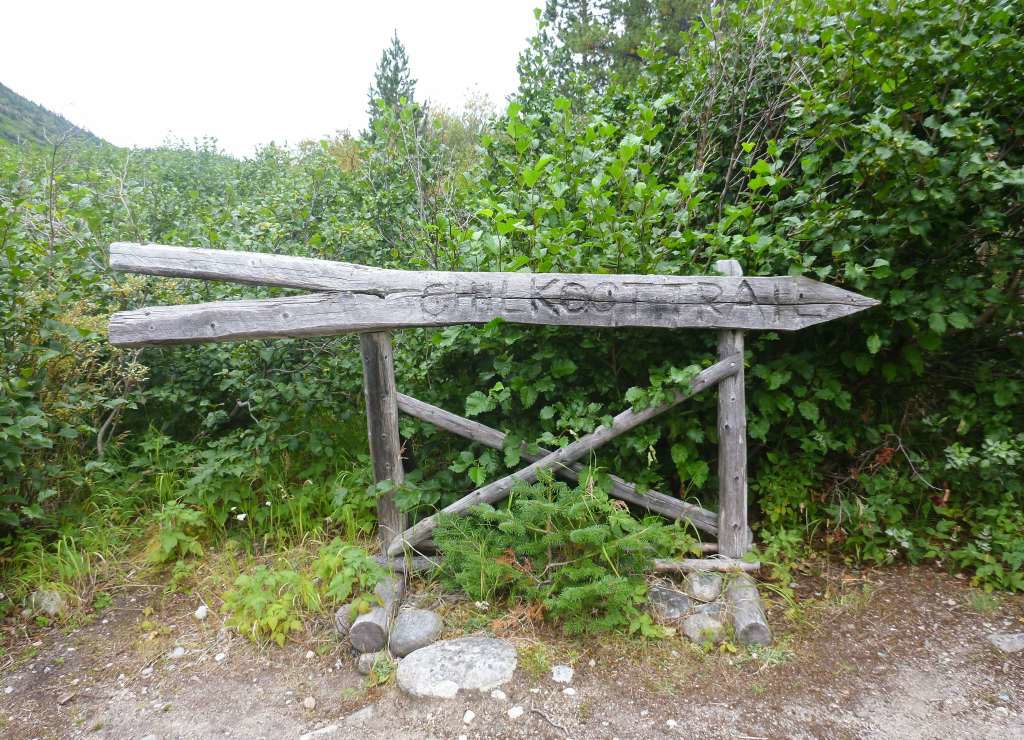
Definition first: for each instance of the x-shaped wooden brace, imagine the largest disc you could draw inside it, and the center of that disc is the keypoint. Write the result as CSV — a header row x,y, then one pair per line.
x,y
564,457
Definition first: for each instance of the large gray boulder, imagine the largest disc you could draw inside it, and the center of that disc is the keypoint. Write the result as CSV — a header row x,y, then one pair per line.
x,y
443,669
414,629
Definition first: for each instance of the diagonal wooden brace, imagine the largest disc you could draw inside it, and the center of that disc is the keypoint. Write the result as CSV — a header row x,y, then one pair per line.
x,y
654,501
622,423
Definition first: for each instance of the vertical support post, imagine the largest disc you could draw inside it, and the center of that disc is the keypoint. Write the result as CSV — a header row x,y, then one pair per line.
x,y
733,539
382,428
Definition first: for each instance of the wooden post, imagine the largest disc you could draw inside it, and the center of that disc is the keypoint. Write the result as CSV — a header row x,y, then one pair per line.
x,y
382,428
732,441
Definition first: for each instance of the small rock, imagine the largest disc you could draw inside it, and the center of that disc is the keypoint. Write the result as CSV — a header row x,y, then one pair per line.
x,y
363,715
569,691
149,737
704,586
50,603
178,652
471,663
343,619
219,657
701,628
366,661
468,717
667,604
9,690
147,671
328,730
201,612
1008,642
309,703
671,724
499,695
310,655
714,609
515,712
414,629
562,674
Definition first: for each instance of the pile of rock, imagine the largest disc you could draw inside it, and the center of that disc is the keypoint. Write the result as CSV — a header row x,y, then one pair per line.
x,y
387,630
706,603
408,636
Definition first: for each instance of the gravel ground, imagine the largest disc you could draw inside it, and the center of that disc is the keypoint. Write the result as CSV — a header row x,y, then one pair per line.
x,y
890,653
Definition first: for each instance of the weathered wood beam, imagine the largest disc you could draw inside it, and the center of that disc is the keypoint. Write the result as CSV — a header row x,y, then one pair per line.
x,y
732,442
748,618
659,503
689,565
382,429
370,299
622,423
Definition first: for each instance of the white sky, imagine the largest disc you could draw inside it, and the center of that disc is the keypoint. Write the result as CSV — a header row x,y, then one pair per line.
x,y
247,73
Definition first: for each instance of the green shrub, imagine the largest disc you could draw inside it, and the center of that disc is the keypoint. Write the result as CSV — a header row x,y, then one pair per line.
x,y
574,551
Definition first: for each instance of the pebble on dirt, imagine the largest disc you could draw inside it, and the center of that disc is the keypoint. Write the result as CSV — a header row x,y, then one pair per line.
x,y
704,586
469,716
201,612
1008,642
414,629
562,674
515,712
309,703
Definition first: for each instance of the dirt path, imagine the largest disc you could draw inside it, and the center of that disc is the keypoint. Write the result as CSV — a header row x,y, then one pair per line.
x,y
896,653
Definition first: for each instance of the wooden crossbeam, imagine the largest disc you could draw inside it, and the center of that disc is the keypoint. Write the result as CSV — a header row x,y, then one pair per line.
x,y
361,298
667,506
622,423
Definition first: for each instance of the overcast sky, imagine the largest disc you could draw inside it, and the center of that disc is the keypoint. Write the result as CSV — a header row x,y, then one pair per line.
x,y
247,73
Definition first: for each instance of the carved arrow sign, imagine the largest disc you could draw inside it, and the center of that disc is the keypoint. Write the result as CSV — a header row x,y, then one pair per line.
x,y
358,298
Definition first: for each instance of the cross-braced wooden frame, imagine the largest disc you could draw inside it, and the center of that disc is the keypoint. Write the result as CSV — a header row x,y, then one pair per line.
x,y
373,302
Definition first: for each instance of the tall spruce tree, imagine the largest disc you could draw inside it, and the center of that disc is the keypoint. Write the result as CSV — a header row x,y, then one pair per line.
x,y
392,81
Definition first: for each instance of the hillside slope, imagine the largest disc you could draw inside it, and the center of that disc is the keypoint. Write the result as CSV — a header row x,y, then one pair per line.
x,y
22,121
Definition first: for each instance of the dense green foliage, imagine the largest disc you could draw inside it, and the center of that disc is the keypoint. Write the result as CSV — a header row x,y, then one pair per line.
x,y
576,556
872,145
25,122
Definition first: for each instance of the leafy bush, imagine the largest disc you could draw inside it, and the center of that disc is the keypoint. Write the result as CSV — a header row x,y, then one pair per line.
x,y
869,145
578,554
269,604
266,604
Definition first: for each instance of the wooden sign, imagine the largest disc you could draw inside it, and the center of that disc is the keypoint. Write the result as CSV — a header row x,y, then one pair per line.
x,y
357,298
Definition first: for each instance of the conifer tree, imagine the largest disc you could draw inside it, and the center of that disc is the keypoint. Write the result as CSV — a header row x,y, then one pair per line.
x,y
392,81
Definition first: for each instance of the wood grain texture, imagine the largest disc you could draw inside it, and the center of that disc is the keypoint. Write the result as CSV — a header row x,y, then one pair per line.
x,y
363,299
690,565
406,565
622,423
369,632
651,500
748,618
382,428
732,442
